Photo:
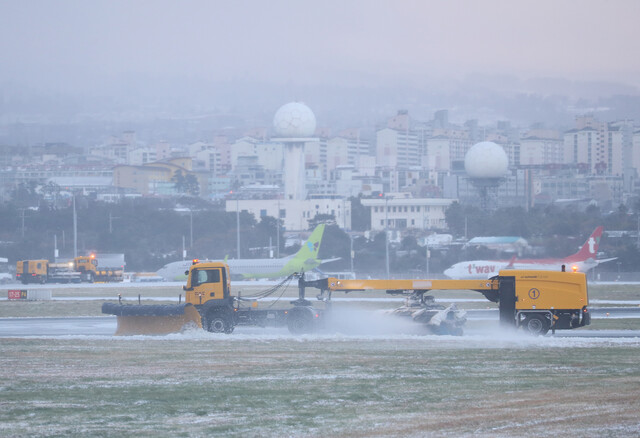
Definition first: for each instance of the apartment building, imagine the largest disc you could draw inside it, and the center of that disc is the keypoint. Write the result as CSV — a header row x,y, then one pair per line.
x,y
396,148
540,151
594,146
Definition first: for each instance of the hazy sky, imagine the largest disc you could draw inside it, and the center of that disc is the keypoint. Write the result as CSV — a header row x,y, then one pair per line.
x,y
66,44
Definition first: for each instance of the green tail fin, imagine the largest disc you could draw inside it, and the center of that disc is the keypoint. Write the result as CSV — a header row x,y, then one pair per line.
x,y
307,256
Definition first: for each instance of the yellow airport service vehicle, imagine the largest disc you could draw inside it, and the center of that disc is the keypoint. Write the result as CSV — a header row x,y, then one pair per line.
x,y
91,271
79,269
44,271
210,305
538,301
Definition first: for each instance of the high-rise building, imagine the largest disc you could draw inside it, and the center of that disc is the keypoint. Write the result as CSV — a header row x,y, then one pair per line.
x,y
396,148
595,147
535,150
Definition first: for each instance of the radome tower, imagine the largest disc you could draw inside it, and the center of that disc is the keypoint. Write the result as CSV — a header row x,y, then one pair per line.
x,y
294,125
486,164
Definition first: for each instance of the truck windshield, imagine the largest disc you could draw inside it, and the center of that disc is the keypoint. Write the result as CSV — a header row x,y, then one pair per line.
x,y
206,276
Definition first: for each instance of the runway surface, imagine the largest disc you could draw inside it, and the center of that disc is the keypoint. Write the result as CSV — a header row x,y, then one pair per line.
x,y
106,326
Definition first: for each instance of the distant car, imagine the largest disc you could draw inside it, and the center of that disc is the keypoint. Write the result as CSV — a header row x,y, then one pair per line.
x,y
5,278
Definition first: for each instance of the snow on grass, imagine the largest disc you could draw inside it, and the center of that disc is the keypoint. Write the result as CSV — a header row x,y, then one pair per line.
x,y
202,384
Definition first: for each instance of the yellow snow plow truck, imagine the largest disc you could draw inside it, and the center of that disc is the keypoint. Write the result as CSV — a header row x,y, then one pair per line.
x,y
77,270
537,301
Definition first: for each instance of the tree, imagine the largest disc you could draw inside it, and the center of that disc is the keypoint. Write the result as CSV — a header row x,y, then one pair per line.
x,y
320,218
186,183
178,181
360,215
52,192
191,185
335,243
409,243
466,220
25,195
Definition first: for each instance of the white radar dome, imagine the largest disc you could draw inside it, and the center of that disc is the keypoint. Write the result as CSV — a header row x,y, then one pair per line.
x,y
294,120
486,160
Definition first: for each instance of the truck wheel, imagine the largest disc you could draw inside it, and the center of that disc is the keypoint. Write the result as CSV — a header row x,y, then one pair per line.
x,y
536,325
218,323
300,321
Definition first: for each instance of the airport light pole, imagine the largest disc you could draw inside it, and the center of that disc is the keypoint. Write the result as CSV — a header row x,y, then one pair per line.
x,y
427,254
22,215
351,250
75,228
238,226
111,218
386,232
191,229
278,232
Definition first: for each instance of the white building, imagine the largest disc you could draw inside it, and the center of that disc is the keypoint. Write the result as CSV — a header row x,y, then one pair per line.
x,y
459,142
536,151
396,148
295,214
210,160
635,152
140,156
439,154
337,153
595,145
117,148
270,154
399,212
315,154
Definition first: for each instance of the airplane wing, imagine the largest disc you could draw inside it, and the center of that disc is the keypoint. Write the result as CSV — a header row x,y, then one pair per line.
x,y
329,260
606,260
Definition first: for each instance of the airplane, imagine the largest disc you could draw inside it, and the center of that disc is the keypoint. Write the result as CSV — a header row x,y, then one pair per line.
x,y
306,259
582,261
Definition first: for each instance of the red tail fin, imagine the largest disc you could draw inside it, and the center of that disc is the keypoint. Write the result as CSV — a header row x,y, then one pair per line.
x,y
590,248
510,265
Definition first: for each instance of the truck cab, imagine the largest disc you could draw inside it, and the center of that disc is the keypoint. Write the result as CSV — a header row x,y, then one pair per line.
x,y
91,270
207,281
208,288
87,266
85,263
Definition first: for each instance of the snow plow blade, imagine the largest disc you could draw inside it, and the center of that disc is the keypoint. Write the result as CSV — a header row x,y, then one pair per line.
x,y
153,319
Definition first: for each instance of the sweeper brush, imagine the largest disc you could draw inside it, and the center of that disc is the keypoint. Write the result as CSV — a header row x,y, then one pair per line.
x,y
153,320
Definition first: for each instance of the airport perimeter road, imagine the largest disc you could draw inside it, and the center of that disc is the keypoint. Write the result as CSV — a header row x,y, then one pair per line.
x,y
82,326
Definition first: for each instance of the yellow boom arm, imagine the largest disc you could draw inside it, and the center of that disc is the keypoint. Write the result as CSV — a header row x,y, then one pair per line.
x,y
335,284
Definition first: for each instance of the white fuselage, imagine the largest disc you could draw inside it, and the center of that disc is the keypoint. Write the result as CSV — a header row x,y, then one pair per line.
x,y
175,270
488,268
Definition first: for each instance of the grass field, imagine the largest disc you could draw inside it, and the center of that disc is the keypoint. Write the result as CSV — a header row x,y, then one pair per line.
x,y
270,384
202,384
